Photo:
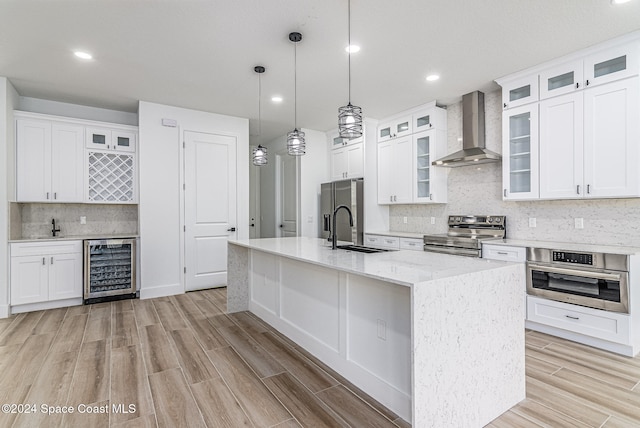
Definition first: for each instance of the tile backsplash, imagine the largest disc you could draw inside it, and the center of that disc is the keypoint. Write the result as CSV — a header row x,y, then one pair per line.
x,y
34,220
477,190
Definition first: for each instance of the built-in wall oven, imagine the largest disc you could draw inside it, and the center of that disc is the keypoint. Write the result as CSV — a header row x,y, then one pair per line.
x,y
596,280
110,269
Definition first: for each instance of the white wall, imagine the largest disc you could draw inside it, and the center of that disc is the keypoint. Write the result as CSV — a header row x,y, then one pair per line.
x,y
477,190
8,102
160,157
37,105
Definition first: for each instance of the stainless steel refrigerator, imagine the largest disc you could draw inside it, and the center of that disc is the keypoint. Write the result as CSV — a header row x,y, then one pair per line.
x,y
343,192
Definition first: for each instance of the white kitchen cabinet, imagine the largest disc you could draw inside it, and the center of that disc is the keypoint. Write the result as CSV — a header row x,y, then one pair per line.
x,y
382,241
429,118
520,153
561,79
337,141
611,64
430,182
415,244
588,143
49,161
111,139
45,272
610,326
395,171
395,128
520,91
347,161
111,177
504,253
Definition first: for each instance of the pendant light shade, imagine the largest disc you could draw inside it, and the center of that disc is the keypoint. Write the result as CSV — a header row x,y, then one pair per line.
x,y
350,116
295,139
259,153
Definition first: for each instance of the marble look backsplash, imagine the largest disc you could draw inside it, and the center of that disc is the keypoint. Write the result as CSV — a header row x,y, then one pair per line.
x,y
477,190
35,219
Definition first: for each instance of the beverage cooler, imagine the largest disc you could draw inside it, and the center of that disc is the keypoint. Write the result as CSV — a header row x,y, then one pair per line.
x,y
109,269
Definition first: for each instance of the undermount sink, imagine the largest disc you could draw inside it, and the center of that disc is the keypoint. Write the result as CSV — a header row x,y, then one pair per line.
x,y
361,249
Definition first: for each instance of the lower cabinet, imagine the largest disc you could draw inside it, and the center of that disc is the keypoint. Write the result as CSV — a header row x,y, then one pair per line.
x,y
45,272
393,242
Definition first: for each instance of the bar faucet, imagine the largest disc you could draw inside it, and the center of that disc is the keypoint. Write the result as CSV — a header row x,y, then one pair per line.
x,y
53,227
334,238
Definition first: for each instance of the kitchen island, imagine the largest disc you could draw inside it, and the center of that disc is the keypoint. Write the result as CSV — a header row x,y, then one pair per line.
x,y
438,339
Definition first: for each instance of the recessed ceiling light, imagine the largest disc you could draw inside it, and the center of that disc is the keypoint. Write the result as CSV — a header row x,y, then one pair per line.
x,y
82,55
352,48
276,99
619,1
432,77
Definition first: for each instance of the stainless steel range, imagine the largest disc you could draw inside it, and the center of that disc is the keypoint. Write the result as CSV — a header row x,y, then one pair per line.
x,y
466,233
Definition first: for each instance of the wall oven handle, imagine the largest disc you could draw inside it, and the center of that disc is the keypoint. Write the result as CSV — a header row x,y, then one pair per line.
x,y
576,272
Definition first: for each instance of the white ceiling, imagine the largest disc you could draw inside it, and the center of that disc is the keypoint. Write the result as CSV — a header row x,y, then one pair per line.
x,y
200,54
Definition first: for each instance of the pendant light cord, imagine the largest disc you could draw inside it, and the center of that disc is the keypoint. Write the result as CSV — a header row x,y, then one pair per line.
x,y
349,46
295,85
259,108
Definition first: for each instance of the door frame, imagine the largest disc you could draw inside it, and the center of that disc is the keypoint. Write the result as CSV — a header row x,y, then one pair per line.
x,y
279,155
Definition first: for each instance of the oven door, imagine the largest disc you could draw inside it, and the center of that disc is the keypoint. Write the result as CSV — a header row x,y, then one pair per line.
x,y
606,290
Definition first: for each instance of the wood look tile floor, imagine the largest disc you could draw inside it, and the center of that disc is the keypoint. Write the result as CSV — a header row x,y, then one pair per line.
x,y
182,361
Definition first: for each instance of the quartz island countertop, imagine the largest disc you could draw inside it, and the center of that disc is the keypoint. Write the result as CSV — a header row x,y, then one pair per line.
x,y
452,326
402,267
74,237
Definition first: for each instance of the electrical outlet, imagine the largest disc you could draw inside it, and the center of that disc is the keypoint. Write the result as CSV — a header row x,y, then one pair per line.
x,y
404,220
382,330
433,220
579,223
532,222
83,219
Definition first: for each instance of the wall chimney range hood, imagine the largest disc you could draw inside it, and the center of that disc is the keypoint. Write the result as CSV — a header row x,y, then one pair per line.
x,y
473,145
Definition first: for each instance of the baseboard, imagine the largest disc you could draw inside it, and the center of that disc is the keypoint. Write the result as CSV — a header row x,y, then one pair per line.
x,y
161,291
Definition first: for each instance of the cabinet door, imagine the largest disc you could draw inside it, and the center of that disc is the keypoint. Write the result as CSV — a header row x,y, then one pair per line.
x,y
402,127
33,168
339,163
520,153
563,79
67,167
123,141
611,64
434,117
29,278
561,147
98,138
520,92
402,170
612,133
355,160
386,171
423,146
65,276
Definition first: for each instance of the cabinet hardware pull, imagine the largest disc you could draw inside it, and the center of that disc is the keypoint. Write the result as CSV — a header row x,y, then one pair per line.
x,y
588,188
577,85
55,195
431,196
51,260
505,105
502,253
571,317
47,195
233,229
43,262
578,189
395,198
586,83
390,198
505,193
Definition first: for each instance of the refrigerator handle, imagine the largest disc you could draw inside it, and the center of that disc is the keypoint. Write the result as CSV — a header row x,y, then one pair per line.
x,y
326,221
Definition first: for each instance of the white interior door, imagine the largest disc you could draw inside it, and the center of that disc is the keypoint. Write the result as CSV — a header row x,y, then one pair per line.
x,y
210,207
287,196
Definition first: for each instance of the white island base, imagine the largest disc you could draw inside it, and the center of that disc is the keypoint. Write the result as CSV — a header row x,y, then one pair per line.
x,y
438,339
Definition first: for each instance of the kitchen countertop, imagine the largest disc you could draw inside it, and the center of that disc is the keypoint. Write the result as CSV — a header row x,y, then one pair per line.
x,y
73,238
400,234
404,267
565,246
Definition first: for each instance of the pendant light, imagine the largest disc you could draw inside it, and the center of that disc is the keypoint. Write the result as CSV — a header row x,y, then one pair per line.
x,y
350,116
295,139
260,152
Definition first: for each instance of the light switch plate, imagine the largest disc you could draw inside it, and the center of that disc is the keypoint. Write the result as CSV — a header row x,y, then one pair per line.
x,y
404,220
433,220
532,222
83,220
579,223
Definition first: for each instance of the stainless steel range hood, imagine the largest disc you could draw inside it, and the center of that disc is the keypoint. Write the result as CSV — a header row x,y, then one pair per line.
x,y
473,145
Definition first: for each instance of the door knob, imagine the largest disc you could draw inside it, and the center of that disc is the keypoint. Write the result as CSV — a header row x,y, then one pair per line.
x,y
231,229
282,225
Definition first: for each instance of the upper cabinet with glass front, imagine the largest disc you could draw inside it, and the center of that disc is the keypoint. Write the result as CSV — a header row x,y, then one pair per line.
x,y
611,64
561,79
395,128
520,91
111,139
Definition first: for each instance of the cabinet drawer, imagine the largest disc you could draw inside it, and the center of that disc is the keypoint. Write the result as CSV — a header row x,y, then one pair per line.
x,y
411,244
609,326
507,254
45,248
392,242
